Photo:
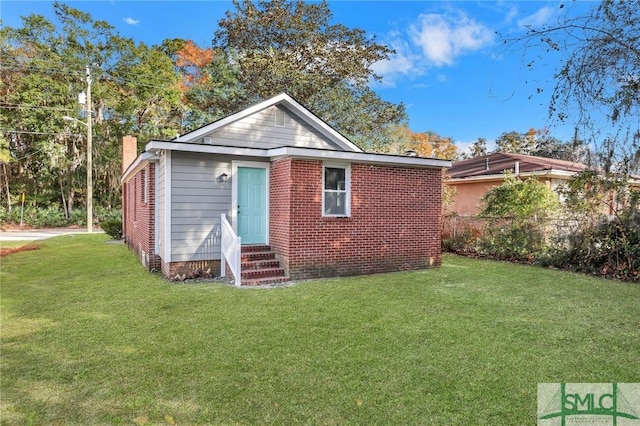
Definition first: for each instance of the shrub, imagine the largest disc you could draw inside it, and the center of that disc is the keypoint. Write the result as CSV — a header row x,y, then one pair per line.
x,y
54,216
113,228
609,249
515,241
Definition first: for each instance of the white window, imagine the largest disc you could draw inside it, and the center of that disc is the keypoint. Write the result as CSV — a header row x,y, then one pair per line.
x,y
336,190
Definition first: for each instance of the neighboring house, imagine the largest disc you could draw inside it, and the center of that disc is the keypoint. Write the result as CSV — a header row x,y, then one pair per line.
x,y
304,200
472,178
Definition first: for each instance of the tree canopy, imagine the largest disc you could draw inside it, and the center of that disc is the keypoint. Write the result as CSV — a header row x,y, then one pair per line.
x,y
519,199
598,86
424,144
290,46
259,49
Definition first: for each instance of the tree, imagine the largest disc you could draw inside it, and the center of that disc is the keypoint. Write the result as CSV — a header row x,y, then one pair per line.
x,y
425,144
191,60
547,145
522,203
515,142
134,89
290,46
45,73
520,199
598,86
478,149
605,217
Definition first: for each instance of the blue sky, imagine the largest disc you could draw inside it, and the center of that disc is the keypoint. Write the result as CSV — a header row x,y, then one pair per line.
x,y
450,69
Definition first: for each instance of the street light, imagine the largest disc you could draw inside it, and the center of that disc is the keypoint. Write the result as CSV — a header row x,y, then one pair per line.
x,y
89,169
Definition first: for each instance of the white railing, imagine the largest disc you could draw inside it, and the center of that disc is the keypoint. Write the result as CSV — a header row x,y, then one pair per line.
x,y
230,250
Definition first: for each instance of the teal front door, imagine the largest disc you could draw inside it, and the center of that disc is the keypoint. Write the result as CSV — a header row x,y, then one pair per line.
x,y
252,205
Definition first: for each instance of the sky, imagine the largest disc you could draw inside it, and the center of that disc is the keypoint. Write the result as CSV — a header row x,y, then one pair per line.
x,y
450,69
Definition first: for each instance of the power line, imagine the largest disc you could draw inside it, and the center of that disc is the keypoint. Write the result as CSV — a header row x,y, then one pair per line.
x,y
18,106
62,69
25,132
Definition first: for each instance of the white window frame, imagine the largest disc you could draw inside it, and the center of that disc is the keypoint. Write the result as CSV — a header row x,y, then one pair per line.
x,y
347,189
145,185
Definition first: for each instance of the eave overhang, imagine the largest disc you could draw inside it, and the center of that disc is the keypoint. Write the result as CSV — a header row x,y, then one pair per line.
x,y
154,149
553,174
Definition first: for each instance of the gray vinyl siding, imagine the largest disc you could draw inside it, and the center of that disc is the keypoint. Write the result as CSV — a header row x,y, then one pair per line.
x,y
260,131
197,200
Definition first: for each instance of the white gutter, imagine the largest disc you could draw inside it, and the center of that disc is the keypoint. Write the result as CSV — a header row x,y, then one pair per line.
x,y
359,157
321,154
139,163
562,174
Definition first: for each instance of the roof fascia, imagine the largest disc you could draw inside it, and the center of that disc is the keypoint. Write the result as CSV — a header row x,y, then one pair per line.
x,y
318,154
360,157
139,163
206,149
560,174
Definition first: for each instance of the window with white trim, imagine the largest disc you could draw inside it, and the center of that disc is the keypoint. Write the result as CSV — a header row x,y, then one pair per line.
x,y
336,190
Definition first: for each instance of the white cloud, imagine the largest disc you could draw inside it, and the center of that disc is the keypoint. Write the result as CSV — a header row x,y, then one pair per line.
x,y
131,21
403,62
511,14
541,17
433,40
443,38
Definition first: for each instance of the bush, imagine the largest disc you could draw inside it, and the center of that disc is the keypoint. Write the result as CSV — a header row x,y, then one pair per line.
x,y
45,217
53,216
609,249
113,228
516,241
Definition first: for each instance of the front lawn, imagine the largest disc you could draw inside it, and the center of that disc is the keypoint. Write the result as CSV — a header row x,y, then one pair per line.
x,y
89,337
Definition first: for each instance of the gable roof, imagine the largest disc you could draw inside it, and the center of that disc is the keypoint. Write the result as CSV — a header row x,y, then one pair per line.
x,y
499,162
281,99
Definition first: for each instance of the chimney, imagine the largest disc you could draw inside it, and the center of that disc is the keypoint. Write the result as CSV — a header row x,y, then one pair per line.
x,y
129,151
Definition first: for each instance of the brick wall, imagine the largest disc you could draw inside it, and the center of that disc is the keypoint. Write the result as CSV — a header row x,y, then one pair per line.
x,y
395,221
139,215
280,209
129,151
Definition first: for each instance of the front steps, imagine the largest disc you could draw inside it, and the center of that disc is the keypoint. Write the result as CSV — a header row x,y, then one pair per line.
x,y
259,266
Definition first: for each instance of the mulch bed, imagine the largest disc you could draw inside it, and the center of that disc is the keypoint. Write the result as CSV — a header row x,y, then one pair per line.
x,y
6,251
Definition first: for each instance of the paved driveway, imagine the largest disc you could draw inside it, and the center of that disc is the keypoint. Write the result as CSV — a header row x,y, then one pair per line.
x,y
37,234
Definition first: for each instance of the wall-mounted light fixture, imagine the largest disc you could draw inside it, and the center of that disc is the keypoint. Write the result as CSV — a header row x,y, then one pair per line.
x,y
223,178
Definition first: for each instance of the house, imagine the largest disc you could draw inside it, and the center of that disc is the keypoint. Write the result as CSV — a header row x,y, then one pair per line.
x,y
274,193
472,178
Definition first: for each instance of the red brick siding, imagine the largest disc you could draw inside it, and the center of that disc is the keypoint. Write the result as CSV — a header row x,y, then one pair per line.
x,y
280,209
394,225
139,215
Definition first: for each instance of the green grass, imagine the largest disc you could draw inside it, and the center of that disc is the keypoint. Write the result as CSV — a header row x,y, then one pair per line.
x,y
89,337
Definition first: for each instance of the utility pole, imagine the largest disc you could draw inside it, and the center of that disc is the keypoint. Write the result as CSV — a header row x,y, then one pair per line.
x,y
89,157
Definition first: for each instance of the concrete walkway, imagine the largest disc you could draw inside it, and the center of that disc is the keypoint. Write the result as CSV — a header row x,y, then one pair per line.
x,y
39,234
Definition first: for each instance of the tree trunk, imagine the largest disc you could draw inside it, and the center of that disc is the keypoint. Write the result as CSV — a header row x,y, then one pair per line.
x,y
6,179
